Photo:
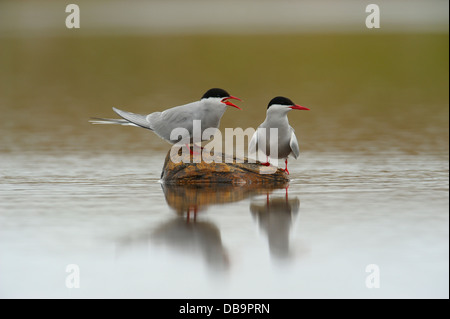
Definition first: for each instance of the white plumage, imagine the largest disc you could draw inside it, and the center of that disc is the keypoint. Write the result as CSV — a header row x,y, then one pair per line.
x,y
285,144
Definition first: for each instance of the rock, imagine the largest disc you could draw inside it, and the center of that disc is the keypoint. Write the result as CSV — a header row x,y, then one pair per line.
x,y
215,169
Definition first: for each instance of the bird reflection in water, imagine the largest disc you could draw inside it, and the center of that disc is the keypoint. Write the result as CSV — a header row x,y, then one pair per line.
x,y
275,216
184,233
196,238
191,199
188,233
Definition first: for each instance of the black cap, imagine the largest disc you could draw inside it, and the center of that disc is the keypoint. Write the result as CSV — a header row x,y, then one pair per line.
x,y
215,93
280,100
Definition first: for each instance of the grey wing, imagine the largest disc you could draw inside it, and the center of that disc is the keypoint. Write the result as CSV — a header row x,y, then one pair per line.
x,y
136,119
164,123
293,143
177,117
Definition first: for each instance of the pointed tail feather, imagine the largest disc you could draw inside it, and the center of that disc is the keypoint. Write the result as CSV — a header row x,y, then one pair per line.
x,y
98,120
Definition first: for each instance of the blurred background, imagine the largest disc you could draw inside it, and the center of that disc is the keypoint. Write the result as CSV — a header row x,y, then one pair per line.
x,y
375,90
371,184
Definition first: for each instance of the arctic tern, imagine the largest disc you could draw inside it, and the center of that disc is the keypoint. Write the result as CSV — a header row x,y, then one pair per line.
x,y
209,110
276,118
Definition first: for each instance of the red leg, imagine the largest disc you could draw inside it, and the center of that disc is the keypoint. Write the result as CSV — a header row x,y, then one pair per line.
x,y
286,170
194,209
189,148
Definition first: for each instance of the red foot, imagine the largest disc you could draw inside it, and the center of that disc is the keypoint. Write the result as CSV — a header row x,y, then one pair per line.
x,y
266,164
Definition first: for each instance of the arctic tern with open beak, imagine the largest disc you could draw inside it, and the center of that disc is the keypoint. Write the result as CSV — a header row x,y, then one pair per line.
x,y
276,118
209,110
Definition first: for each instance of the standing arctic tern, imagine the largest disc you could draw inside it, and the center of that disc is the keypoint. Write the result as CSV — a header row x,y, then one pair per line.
x,y
276,118
209,110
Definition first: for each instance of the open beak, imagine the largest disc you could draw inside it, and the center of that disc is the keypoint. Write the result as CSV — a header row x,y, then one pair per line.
x,y
298,107
226,102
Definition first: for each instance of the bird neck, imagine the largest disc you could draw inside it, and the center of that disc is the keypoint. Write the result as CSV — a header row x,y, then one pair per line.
x,y
216,108
277,117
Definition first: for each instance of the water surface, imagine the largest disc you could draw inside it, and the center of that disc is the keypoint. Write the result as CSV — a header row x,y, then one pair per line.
x,y
131,238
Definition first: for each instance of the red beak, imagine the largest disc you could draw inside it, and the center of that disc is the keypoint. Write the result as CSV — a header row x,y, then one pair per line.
x,y
225,100
298,107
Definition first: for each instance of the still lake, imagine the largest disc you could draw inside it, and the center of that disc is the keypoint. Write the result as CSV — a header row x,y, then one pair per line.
x,y
371,186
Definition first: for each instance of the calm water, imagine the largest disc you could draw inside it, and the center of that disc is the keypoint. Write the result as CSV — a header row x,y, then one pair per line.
x,y
370,187
108,214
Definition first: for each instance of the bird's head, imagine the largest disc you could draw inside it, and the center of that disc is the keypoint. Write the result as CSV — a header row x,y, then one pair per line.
x,y
220,96
283,105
